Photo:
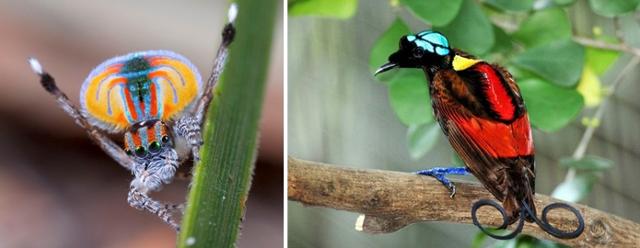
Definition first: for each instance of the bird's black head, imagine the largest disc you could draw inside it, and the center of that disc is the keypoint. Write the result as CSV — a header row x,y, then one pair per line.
x,y
425,49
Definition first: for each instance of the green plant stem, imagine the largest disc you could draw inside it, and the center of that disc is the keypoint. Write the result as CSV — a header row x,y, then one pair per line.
x,y
588,133
622,47
221,180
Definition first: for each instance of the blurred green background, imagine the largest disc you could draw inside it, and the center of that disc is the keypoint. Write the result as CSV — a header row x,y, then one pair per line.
x,y
339,113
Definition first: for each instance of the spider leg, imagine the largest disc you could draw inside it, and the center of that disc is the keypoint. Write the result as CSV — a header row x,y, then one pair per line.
x,y
440,174
228,33
107,145
142,201
189,125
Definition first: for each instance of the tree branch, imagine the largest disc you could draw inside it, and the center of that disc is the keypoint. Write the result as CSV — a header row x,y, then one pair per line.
x,y
622,47
392,200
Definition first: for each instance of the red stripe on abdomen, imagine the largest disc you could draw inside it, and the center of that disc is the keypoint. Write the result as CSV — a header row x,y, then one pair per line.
x,y
130,104
154,100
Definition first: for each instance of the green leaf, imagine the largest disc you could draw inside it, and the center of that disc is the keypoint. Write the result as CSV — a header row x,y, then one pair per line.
x,y
590,87
600,60
341,9
471,30
511,5
409,96
422,138
511,243
564,2
503,42
550,107
559,62
576,189
589,162
611,8
436,12
543,27
520,74
220,184
478,240
387,44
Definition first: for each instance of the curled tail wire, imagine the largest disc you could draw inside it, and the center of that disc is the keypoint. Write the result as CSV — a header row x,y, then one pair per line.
x,y
526,211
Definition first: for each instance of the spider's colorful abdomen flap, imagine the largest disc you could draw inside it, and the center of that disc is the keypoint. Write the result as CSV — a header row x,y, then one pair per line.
x,y
139,86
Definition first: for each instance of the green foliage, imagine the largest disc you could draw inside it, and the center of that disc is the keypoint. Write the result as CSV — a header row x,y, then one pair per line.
x,y
600,60
543,27
559,62
511,5
503,43
409,97
385,45
611,8
557,76
550,107
422,138
221,180
436,12
589,162
477,37
564,2
575,189
341,9
590,87
524,241
478,240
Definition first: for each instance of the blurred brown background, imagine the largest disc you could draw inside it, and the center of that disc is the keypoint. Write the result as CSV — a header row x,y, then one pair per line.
x,y
57,189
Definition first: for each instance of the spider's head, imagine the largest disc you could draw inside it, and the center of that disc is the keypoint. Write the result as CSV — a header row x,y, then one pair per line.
x,y
423,50
149,145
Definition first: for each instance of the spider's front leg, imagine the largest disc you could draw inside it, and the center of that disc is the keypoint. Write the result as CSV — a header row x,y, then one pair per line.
x,y
142,201
152,170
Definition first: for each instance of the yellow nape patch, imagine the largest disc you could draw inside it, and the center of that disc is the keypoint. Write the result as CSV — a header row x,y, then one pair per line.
x,y
460,63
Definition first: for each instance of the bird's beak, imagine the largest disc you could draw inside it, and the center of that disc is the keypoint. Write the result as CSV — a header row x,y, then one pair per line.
x,y
385,67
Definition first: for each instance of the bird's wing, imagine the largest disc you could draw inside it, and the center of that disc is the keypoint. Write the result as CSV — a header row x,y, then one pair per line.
x,y
484,127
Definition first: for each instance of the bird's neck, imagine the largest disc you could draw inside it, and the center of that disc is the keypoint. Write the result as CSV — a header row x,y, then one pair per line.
x,y
432,65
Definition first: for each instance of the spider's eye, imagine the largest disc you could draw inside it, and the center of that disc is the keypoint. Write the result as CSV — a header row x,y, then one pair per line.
x,y
165,139
154,147
140,151
128,152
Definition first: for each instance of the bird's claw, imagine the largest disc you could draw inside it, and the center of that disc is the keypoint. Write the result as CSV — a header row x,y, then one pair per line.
x,y
452,190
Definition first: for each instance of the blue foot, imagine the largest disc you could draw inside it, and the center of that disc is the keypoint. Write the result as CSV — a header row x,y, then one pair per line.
x,y
440,172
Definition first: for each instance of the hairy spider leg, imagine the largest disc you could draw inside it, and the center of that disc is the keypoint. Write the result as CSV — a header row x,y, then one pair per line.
x,y
141,201
187,126
440,174
107,145
137,199
190,125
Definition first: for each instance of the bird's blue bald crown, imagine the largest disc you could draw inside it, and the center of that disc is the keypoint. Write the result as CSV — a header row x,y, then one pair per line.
x,y
430,41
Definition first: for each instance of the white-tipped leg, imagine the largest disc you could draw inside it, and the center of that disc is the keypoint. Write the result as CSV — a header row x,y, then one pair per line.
x,y
189,125
233,12
35,66
141,201
228,33
107,145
